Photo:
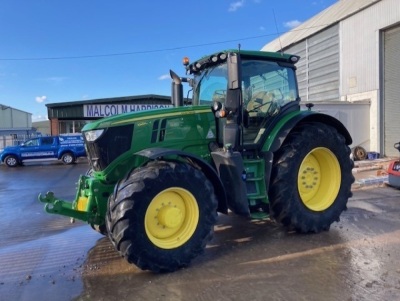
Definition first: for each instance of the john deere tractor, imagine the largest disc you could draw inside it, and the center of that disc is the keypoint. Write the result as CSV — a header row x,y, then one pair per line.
x,y
237,144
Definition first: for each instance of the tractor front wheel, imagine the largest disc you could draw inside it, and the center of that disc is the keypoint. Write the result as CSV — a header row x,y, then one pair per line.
x,y
162,215
311,178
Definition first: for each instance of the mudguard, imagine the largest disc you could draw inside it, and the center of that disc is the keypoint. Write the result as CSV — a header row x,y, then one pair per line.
x,y
285,126
206,168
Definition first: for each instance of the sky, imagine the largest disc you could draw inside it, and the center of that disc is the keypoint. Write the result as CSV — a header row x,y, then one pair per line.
x,y
58,51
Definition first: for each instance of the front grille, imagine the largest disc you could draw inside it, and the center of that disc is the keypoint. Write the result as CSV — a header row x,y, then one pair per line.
x,y
112,143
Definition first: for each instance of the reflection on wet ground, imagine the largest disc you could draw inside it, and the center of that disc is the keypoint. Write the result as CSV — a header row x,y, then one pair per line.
x,y
46,266
44,257
41,255
356,260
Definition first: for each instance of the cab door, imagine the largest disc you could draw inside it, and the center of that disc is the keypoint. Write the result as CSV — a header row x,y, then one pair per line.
x,y
48,147
269,88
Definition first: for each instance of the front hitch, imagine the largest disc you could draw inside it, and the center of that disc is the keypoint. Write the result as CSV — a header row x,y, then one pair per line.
x,y
61,207
90,204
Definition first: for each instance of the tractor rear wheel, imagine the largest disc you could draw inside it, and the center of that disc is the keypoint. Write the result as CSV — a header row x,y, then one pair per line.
x,y
162,215
311,178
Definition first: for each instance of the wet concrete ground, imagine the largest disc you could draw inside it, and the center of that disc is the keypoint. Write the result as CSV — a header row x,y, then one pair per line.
x,y
44,257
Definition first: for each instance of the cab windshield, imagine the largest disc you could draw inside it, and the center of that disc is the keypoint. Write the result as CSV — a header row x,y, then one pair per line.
x,y
210,85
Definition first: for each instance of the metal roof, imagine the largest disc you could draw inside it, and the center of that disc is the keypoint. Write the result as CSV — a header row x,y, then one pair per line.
x,y
333,14
110,99
5,107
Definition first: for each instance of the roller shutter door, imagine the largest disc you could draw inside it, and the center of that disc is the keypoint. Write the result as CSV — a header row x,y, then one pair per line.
x,y
391,90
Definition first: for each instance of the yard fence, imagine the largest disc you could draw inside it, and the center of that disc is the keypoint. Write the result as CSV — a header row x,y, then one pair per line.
x,y
15,139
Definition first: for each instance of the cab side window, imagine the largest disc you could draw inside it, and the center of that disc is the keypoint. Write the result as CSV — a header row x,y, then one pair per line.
x,y
267,87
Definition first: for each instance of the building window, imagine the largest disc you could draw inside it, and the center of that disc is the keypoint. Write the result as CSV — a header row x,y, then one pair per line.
x,y
71,126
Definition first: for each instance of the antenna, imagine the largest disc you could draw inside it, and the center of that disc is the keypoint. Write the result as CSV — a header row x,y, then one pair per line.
x,y
277,31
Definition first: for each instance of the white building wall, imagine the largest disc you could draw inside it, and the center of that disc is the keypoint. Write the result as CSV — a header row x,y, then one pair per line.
x,y
360,40
360,45
354,116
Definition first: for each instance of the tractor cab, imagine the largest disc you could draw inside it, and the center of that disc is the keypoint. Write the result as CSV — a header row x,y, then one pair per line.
x,y
245,90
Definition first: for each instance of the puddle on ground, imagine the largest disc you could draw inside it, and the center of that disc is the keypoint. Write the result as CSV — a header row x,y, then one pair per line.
x,y
47,266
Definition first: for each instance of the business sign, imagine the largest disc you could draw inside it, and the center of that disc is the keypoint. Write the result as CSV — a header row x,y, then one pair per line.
x,y
71,140
38,154
105,110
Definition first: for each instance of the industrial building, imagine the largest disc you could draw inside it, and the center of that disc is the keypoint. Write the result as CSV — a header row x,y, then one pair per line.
x,y
15,125
350,68
70,117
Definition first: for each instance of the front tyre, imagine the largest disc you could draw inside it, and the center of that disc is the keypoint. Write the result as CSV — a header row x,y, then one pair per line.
x,y
162,215
311,178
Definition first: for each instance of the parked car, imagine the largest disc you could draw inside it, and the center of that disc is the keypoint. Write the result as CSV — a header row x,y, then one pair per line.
x,y
67,148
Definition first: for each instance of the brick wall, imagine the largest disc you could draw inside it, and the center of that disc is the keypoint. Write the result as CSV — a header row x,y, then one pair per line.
x,y
54,126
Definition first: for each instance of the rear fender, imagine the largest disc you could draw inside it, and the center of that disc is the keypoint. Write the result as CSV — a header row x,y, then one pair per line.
x,y
205,167
282,129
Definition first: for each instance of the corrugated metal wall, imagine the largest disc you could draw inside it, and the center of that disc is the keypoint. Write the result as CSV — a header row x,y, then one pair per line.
x,y
391,90
300,49
13,118
318,69
335,13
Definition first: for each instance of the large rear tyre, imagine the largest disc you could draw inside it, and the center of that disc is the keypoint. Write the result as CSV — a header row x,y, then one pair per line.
x,y
162,215
311,178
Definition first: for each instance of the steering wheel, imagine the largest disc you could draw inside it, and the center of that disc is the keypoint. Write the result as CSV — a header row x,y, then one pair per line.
x,y
265,98
274,108
256,108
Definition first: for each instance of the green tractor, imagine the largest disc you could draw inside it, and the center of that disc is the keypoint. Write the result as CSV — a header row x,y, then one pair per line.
x,y
241,145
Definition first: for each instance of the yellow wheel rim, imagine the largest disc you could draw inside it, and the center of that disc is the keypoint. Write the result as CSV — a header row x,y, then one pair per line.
x,y
319,179
171,218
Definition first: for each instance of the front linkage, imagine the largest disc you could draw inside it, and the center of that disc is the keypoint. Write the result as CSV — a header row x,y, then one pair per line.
x,y
88,206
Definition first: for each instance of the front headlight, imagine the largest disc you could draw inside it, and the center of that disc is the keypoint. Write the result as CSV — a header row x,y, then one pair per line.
x,y
93,135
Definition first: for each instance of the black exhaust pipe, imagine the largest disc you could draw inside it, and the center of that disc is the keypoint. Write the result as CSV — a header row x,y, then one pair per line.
x,y
177,90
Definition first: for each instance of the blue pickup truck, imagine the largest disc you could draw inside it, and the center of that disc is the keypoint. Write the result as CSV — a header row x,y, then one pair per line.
x,y
66,148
